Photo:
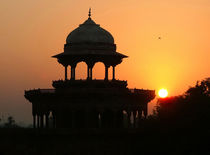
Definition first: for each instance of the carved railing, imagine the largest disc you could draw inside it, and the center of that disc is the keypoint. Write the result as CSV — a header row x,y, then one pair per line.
x,y
147,95
89,83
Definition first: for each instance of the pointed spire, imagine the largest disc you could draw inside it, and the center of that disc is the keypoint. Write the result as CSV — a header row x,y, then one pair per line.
x,y
89,14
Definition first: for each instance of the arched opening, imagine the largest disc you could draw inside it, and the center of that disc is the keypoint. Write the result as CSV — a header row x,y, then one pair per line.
x,y
99,71
81,71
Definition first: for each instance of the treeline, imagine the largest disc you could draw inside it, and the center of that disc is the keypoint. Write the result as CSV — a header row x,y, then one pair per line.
x,y
9,123
192,109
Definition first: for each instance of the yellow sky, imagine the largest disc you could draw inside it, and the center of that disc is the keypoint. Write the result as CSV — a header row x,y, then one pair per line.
x,y
32,31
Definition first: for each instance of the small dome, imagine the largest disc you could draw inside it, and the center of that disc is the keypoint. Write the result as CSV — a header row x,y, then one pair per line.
x,y
90,32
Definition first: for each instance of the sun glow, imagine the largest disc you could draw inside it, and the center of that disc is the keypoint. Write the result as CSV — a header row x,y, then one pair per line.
x,y
163,93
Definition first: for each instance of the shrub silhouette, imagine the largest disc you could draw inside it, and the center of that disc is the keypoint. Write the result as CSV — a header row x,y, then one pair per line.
x,y
10,123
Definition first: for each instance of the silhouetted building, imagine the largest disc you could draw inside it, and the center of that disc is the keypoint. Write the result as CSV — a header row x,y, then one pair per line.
x,y
89,103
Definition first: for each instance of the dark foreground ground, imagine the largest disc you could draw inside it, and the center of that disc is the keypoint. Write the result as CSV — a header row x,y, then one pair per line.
x,y
104,142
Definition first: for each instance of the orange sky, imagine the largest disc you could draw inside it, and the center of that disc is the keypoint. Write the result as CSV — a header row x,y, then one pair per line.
x,y
32,31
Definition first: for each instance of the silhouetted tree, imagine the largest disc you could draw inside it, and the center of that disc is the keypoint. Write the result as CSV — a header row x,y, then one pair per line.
x,y
201,90
10,123
190,109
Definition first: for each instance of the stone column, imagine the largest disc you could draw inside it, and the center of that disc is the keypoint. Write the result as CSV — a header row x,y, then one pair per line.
x,y
145,110
66,72
113,73
47,120
139,117
34,113
139,114
99,121
38,122
88,72
42,121
106,73
72,72
91,73
90,65
134,118
54,119
129,118
34,121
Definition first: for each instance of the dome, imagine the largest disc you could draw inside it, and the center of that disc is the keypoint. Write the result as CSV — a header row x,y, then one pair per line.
x,y
90,32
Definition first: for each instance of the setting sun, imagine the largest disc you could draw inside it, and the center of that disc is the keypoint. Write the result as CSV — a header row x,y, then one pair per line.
x,y
163,93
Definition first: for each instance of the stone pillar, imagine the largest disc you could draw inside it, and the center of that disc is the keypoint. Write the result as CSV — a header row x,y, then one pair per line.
x,y
34,121
106,73
66,72
38,122
113,73
54,119
47,120
88,72
91,73
42,121
129,118
134,119
34,113
90,65
99,121
139,114
139,117
72,72
145,110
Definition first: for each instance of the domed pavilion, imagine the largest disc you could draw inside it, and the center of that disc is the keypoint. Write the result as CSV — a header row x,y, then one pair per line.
x,y
89,103
89,43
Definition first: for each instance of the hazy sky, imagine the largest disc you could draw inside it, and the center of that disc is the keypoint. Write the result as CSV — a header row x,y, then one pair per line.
x,y
31,31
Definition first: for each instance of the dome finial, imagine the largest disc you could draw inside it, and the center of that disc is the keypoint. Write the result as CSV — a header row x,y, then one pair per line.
x,y
89,13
